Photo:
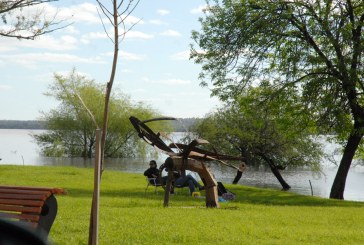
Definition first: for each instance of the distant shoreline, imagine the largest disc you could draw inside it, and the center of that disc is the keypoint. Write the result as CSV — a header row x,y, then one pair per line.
x,y
180,125
19,124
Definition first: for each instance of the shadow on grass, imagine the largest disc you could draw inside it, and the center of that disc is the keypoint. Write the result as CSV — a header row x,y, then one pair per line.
x,y
129,193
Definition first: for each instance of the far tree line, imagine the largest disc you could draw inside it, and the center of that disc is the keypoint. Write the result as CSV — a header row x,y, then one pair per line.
x,y
180,125
21,124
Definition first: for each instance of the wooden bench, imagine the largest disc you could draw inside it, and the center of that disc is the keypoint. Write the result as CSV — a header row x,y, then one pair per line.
x,y
34,206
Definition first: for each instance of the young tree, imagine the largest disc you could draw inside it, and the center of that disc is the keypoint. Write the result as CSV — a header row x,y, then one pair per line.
x,y
262,133
19,22
116,13
71,131
313,46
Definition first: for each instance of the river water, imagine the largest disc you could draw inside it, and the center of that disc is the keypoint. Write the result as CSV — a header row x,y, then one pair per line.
x,y
17,147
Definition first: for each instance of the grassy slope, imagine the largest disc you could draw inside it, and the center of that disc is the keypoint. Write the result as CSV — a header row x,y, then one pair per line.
x,y
128,216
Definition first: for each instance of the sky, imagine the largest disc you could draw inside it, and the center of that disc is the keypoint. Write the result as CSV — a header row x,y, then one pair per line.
x,y
153,67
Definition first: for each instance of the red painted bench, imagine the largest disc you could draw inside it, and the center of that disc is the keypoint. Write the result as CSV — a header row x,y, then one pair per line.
x,y
34,206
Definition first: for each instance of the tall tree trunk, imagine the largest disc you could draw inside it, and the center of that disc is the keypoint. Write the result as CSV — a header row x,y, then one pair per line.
x,y
89,152
338,186
276,172
279,177
84,152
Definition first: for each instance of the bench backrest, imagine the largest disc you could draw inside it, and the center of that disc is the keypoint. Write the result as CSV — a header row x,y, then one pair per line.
x,y
31,205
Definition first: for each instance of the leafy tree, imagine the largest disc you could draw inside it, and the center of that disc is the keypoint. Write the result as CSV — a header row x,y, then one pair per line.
x,y
18,22
262,132
71,131
314,46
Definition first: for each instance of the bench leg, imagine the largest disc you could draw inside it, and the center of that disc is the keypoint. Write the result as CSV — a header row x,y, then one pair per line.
x,y
48,215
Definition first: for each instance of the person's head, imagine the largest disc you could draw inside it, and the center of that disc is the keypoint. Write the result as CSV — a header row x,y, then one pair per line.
x,y
153,164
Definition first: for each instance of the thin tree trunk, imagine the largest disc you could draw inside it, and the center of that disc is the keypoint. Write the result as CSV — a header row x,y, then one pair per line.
x,y
94,217
117,19
110,83
84,153
89,152
338,186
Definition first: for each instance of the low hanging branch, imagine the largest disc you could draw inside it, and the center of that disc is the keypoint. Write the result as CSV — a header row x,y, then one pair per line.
x,y
18,23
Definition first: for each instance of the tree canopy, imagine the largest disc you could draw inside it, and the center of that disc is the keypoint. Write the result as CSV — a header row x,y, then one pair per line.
x,y
71,130
314,47
263,133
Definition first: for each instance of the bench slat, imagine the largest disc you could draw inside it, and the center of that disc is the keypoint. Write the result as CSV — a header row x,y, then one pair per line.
x,y
30,203
31,192
30,188
39,197
19,216
22,209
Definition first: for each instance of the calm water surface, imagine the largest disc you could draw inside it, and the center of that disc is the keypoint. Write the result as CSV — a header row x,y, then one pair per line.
x,y
17,147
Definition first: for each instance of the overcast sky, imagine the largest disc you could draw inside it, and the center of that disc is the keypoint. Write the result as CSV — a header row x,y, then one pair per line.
x,y
153,63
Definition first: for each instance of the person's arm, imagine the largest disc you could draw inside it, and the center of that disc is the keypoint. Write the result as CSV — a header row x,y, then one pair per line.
x,y
155,173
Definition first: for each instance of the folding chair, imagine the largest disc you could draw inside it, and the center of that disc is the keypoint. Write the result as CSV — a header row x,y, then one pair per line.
x,y
152,182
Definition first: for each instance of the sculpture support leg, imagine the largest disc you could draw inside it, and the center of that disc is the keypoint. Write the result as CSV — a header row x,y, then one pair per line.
x,y
212,200
168,188
206,176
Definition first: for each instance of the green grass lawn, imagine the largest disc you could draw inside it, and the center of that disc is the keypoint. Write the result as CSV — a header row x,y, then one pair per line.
x,y
129,216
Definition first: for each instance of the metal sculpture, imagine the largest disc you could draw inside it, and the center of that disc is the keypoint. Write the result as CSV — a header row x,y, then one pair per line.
x,y
187,157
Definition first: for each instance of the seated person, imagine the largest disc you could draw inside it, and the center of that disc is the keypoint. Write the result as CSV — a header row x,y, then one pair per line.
x,y
153,172
187,180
